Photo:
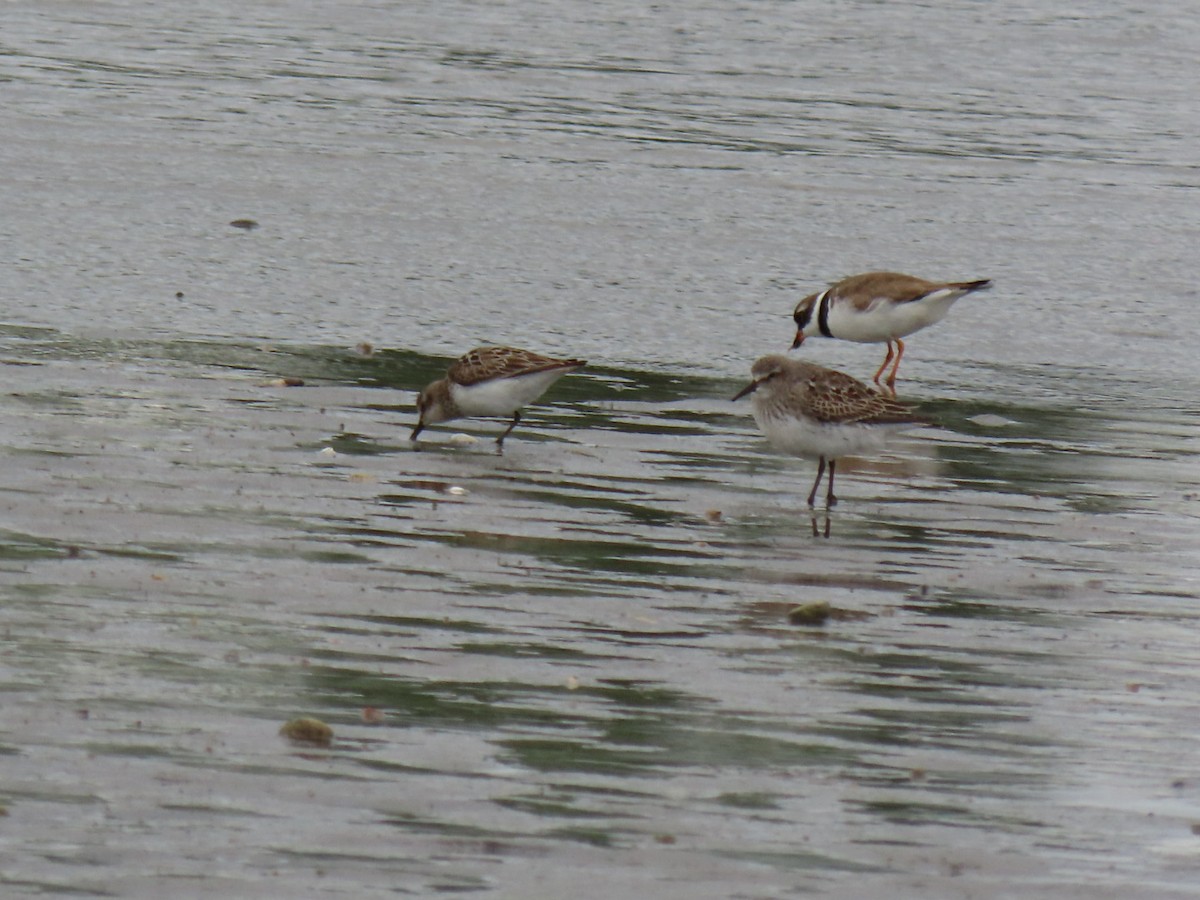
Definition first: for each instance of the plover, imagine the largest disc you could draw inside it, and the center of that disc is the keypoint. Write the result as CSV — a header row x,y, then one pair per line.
x,y
878,307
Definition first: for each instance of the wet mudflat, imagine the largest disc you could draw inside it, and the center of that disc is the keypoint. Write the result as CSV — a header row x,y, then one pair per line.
x,y
572,670
575,658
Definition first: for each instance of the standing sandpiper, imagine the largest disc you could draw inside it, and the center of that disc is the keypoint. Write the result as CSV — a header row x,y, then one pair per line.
x,y
808,410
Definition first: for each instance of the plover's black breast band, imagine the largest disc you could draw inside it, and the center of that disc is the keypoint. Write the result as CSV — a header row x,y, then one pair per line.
x,y
823,314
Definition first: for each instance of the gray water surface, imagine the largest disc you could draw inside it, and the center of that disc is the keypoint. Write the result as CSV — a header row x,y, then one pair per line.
x,y
569,670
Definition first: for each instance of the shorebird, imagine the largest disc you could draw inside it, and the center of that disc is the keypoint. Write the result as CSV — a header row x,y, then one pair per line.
x,y
879,307
490,381
807,410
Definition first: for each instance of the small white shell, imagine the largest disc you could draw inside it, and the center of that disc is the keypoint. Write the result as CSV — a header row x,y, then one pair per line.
x,y
463,440
988,420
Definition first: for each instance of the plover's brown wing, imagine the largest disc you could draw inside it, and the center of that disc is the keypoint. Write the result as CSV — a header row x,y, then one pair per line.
x,y
486,363
864,291
837,397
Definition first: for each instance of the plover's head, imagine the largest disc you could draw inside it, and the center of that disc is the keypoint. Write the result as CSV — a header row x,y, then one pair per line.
x,y
805,326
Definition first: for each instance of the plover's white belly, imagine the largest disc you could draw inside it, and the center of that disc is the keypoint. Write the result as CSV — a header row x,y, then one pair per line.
x,y
807,437
502,396
886,321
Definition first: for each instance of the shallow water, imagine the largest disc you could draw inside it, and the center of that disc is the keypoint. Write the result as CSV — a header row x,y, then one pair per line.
x,y
581,649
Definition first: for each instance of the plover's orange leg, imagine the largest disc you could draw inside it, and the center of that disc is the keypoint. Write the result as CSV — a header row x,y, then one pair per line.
x,y
887,359
891,382
812,495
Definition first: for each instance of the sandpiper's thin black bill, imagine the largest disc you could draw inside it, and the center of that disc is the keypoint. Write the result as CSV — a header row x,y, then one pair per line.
x,y
752,386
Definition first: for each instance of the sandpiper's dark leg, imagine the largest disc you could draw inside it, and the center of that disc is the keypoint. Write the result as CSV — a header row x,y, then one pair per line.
x,y
812,495
887,359
820,532
420,427
511,426
830,500
891,382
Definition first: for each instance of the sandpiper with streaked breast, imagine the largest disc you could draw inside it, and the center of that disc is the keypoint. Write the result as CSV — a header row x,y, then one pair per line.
x,y
808,410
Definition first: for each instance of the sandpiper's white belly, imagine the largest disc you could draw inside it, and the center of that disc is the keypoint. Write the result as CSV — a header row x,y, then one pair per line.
x,y
887,320
503,396
802,436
